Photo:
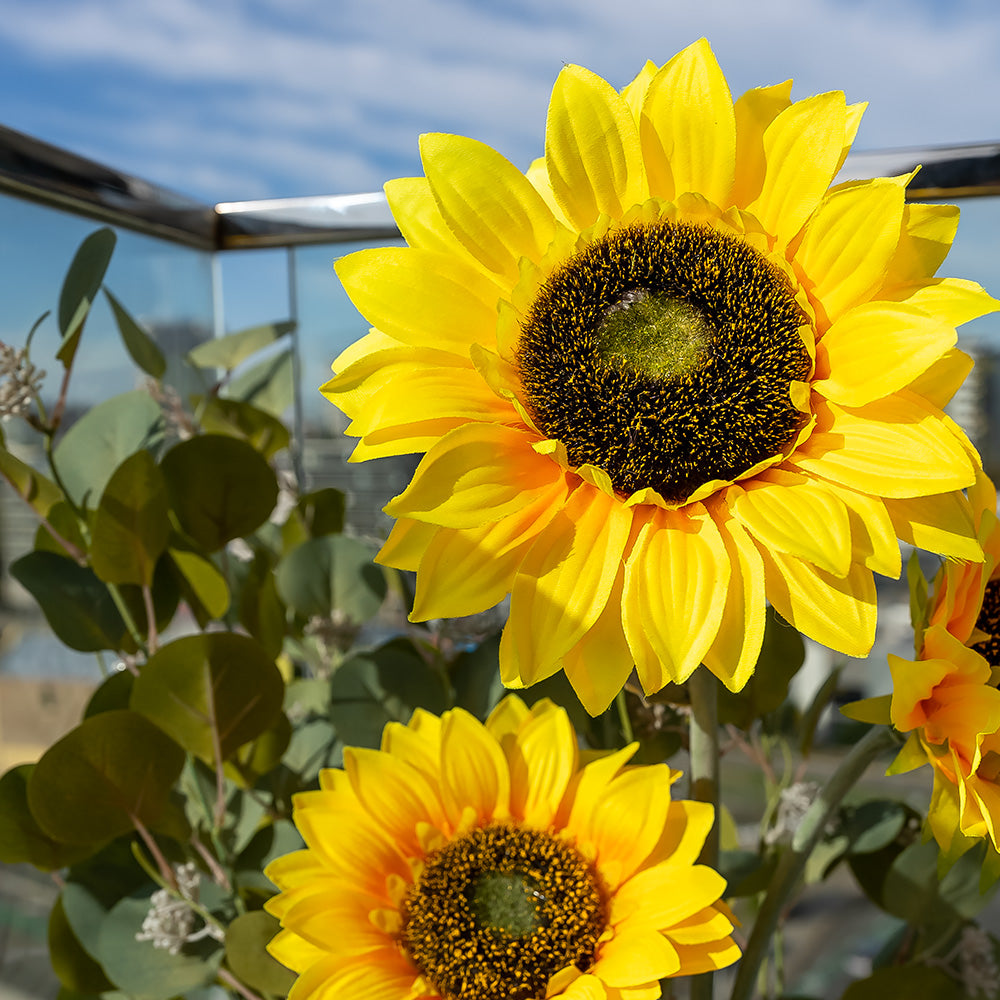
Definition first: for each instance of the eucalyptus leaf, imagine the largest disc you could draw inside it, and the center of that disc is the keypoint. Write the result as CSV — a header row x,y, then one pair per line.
x,y
332,576
262,612
201,583
211,692
143,350
269,385
318,513
384,685
246,953
74,967
914,982
84,912
114,769
21,838
229,351
239,419
131,526
114,693
102,439
147,973
29,484
220,488
62,520
80,287
75,603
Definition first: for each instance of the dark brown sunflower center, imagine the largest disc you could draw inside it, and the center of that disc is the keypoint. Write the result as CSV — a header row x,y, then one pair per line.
x,y
664,354
989,621
498,912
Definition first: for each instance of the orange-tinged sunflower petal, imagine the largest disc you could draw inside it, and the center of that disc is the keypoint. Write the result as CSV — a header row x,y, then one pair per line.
x,y
406,544
802,148
466,570
659,897
475,475
592,149
543,759
474,772
877,349
634,958
449,303
688,128
563,583
940,523
754,112
707,957
913,683
794,514
488,204
838,612
893,447
928,232
849,241
676,581
598,666
733,655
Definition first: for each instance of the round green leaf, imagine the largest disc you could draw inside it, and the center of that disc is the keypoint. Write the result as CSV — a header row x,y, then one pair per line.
x,y
220,488
75,603
914,982
203,586
318,513
73,966
94,783
246,953
264,432
131,525
102,439
330,576
113,694
147,973
211,692
21,838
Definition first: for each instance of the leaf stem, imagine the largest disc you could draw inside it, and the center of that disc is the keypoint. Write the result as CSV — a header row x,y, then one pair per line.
x,y
793,861
704,749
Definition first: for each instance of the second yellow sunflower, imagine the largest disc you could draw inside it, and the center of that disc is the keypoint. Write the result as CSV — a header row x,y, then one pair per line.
x,y
665,377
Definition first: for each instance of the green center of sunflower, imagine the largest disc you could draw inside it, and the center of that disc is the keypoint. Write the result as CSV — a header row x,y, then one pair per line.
x,y
989,621
497,912
664,354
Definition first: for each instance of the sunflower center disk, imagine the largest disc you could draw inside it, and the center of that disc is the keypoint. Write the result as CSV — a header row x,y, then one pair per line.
x,y
664,354
498,912
989,621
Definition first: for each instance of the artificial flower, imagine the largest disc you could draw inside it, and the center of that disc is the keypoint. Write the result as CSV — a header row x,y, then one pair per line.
x,y
663,378
483,862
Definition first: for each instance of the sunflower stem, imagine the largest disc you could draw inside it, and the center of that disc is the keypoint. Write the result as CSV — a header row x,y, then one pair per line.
x,y
704,750
793,861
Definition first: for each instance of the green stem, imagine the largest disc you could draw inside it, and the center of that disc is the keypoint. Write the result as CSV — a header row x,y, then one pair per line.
x,y
623,716
704,750
793,861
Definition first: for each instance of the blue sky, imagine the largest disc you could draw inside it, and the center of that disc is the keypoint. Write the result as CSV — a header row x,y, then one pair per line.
x,y
235,99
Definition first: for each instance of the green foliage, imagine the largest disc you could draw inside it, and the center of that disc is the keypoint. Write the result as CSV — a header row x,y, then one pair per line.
x,y
80,287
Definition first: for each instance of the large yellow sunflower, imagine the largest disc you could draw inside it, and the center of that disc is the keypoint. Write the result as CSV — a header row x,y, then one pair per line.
x,y
476,862
663,378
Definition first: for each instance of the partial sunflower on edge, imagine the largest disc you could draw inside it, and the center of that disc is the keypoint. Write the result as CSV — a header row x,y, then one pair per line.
x,y
947,700
665,377
483,862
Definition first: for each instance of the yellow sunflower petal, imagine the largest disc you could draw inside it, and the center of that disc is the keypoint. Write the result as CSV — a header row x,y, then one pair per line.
x,y
581,987
941,523
463,571
928,232
592,149
688,128
420,222
634,93
474,771
448,302
893,447
406,544
657,898
598,666
801,148
733,655
837,612
543,759
707,926
634,958
943,379
709,957
754,112
294,951
876,349
676,581
688,825
873,535
488,204
794,514
955,300
849,241
563,583
475,475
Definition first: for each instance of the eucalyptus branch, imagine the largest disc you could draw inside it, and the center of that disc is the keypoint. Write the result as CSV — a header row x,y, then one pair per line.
x,y
166,872
793,861
151,634
231,981
125,612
